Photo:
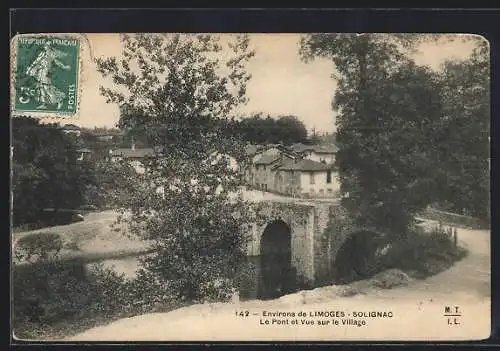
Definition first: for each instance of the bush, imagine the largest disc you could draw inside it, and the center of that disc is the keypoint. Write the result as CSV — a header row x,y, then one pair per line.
x,y
390,279
38,246
423,254
44,166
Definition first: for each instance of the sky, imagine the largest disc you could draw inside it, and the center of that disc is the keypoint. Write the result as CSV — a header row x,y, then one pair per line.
x,y
281,83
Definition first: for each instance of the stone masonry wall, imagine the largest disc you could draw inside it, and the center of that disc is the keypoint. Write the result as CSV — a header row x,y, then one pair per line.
x,y
321,243
300,220
317,233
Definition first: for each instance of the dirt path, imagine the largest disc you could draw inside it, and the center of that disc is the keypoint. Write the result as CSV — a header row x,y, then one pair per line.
x,y
417,311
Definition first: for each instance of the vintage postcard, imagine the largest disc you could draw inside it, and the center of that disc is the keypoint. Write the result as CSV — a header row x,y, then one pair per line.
x,y
250,187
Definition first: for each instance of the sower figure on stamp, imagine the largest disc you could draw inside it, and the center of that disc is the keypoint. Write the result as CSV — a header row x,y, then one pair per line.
x,y
40,68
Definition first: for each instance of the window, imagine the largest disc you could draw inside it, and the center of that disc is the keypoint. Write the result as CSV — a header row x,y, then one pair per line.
x,y
311,178
329,177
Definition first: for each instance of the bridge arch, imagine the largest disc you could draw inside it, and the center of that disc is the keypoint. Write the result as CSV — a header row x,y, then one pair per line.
x,y
276,260
323,246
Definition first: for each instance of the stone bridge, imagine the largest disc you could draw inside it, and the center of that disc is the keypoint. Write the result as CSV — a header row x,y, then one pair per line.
x,y
302,242
292,240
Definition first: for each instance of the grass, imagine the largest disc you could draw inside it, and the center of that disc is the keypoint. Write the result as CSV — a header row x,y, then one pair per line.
x,y
29,227
75,325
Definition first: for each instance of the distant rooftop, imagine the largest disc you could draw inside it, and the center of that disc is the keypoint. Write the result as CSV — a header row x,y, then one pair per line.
x,y
137,153
70,127
111,132
267,159
299,147
320,149
305,165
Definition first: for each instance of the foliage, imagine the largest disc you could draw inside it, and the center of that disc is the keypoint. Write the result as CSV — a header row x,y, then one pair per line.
x,y
408,137
39,246
284,129
464,133
315,139
175,91
387,110
56,292
423,254
110,185
58,295
45,171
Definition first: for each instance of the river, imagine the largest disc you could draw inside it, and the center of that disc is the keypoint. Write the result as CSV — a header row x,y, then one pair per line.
x,y
417,311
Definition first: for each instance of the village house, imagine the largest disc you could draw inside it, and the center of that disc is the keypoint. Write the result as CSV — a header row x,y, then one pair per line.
x,y
319,153
306,178
71,129
84,154
285,171
107,134
259,171
134,156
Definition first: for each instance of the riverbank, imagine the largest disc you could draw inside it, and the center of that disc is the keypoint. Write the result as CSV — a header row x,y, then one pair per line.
x,y
417,307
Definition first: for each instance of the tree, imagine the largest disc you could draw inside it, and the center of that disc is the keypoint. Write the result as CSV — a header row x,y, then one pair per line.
x,y
176,91
315,138
387,110
464,149
291,130
259,130
46,173
110,183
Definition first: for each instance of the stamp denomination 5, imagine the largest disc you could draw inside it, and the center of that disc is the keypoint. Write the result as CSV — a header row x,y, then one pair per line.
x,y
46,74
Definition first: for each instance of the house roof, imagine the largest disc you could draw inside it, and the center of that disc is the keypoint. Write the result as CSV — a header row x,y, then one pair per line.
x,y
84,150
267,159
286,149
305,165
70,127
299,147
137,153
320,149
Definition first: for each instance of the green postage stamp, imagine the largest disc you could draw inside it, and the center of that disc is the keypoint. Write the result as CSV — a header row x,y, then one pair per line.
x,y
46,75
